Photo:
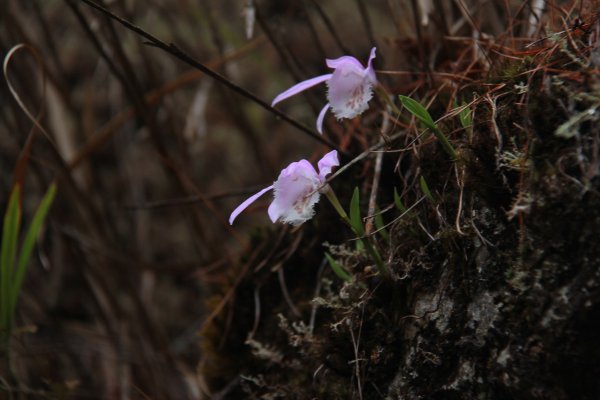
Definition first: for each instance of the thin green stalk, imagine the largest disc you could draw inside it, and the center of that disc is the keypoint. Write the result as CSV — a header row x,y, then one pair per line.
x,y
445,143
338,207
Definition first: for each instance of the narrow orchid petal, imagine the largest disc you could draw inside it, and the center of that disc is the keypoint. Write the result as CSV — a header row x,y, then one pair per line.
x,y
299,87
326,163
343,60
371,57
275,211
246,203
370,69
321,117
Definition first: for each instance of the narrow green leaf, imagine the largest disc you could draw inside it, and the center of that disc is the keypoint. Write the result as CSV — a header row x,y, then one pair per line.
x,y
360,245
425,189
416,109
423,115
29,242
398,202
10,234
466,117
355,218
330,194
380,227
377,258
337,269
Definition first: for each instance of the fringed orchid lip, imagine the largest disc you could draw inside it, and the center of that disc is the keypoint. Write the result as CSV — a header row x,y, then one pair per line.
x,y
350,88
296,191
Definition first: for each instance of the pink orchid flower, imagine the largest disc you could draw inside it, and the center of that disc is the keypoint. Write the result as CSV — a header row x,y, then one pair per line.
x,y
350,88
297,190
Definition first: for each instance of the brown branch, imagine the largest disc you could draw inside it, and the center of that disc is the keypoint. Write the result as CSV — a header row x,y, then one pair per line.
x,y
177,53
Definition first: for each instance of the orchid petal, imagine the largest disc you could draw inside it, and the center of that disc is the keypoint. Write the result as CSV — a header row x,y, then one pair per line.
x,y
321,117
295,193
299,87
327,162
370,70
343,60
300,168
275,210
349,92
372,56
246,203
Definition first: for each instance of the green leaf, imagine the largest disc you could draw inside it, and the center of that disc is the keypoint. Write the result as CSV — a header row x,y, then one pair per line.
x,y
378,260
380,227
29,242
425,189
466,117
416,109
337,269
10,234
355,219
398,202
423,115
360,245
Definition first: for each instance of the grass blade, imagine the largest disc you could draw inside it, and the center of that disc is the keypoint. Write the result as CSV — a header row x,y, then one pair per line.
x,y
381,227
466,117
425,189
10,234
398,202
355,218
29,243
338,269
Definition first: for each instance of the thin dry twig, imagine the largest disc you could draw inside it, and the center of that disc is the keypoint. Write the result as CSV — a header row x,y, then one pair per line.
x,y
374,189
285,292
173,50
